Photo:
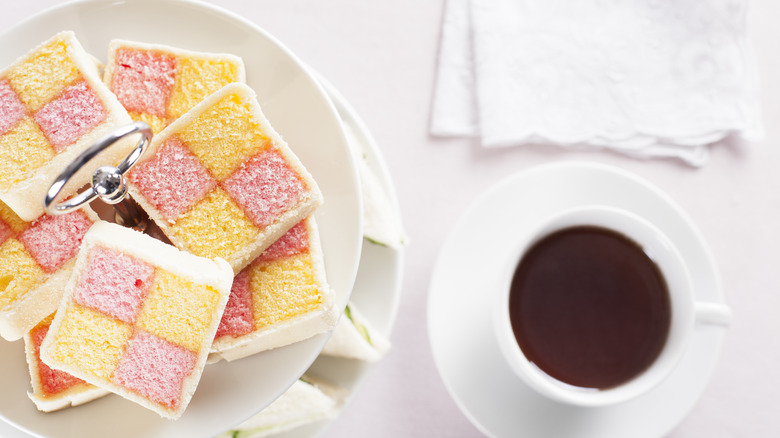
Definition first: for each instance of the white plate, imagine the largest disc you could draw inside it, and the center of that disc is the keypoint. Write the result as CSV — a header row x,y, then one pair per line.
x,y
460,328
299,109
377,289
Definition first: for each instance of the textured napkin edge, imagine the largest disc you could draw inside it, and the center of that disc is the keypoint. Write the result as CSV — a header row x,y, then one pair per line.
x,y
454,92
454,109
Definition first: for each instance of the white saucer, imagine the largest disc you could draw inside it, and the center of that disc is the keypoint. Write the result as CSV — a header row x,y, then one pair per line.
x,y
461,331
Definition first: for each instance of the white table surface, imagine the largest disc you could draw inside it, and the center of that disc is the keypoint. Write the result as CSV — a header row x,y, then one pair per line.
x,y
381,55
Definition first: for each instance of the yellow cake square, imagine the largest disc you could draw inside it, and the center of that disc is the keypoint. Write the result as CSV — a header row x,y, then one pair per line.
x,y
198,78
283,288
84,330
17,163
43,76
224,136
214,227
18,271
176,317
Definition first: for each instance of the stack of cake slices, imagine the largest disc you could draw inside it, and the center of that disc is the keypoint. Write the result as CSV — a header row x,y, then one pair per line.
x,y
106,309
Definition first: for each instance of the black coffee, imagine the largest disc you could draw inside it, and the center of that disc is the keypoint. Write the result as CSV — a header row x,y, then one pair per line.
x,y
589,307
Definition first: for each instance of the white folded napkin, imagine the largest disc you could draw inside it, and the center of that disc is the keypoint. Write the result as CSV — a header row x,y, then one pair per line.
x,y
644,77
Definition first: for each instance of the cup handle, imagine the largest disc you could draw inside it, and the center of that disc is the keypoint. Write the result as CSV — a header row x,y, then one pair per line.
x,y
713,313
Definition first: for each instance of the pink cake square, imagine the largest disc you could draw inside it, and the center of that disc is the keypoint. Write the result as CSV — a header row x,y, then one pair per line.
x,y
238,318
265,186
294,241
53,240
173,179
71,115
143,80
11,108
114,283
155,368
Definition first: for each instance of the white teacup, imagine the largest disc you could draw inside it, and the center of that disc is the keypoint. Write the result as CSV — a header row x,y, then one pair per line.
x,y
685,310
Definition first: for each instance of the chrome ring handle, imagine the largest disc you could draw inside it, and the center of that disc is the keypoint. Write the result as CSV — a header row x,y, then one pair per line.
x,y
108,181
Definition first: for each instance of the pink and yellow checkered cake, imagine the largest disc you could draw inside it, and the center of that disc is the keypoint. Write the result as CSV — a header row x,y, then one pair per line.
x,y
138,318
280,298
53,105
36,260
220,182
158,83
52,389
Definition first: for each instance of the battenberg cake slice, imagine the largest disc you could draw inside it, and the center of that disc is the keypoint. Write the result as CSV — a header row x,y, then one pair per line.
x,y
53,105
36,260
280,298
221,182
157,83
138,318
52,389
